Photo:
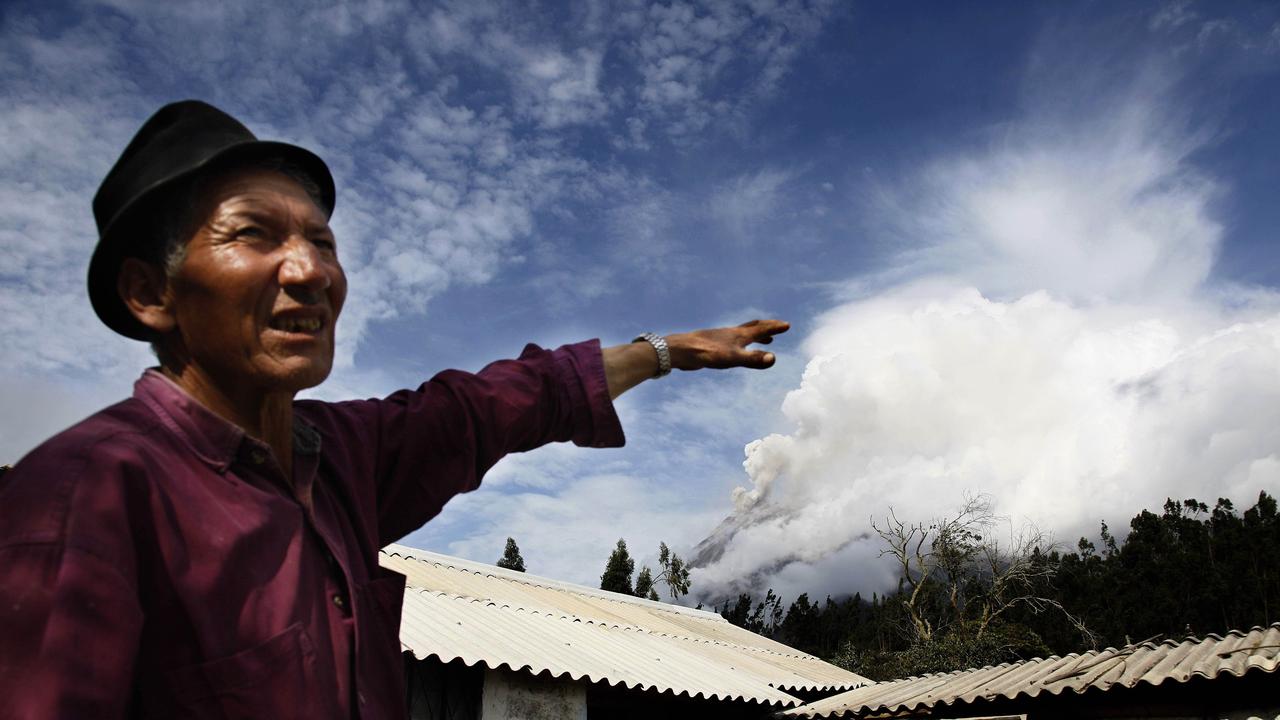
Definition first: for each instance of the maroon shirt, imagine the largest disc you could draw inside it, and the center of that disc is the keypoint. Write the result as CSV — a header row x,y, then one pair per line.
x,y
154,561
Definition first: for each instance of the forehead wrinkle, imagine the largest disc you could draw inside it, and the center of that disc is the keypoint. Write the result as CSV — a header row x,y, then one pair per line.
x,y
265,195
269,207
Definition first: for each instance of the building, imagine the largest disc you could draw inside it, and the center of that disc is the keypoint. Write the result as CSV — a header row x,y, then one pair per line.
x,y
1216,677
484,642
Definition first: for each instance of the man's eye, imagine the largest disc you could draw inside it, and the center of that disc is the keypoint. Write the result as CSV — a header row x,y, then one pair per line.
x,y
325,243
251,231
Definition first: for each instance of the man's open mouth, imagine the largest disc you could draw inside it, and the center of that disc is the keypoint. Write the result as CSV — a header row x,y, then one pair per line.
x,y
296,324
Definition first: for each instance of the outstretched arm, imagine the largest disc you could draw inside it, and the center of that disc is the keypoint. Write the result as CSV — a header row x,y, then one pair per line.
x,y
626,366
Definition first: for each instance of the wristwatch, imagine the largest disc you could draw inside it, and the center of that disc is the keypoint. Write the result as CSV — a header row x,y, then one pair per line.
x,y
659,344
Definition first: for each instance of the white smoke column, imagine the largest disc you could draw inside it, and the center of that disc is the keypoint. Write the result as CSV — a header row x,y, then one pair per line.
x,y
1058,350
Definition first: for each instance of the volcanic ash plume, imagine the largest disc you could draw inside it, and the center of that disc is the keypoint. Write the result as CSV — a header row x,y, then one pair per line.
x,y
1058,351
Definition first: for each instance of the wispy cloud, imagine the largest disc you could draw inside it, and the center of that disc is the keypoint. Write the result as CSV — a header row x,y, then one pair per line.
x,y
551,84
744,202
459,183
1108,210
684,49
453,132
599,508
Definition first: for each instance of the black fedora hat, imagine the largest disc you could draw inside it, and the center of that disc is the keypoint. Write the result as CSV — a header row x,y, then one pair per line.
x,y
179,141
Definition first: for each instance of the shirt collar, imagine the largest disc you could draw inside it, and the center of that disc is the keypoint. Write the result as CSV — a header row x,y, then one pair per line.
x,y
212,438
306,439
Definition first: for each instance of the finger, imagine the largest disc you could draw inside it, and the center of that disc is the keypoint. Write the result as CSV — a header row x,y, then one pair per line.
x,y
759,359
775,327
762,331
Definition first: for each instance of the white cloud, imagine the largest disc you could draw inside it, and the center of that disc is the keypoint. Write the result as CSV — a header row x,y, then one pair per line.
x,y
646,230
439,185
635,137
1100,222
562,89
58,120
1058,350
555,86
697,62
568,290
1202,31
566,506
462,189
441,204
705,61
1172,15
1066,415
599,506
449,132
743,202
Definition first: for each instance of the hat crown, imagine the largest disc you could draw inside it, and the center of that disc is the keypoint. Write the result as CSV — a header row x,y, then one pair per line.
x,y
178,137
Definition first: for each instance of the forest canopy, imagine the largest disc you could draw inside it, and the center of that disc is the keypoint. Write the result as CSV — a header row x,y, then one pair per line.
x,y
965,600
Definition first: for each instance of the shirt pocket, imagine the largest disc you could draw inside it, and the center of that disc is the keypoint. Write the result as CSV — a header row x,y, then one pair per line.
x,y
380,668
273,679
385,595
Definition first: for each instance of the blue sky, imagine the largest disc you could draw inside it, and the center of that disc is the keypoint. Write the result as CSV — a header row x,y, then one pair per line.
x,y
989,224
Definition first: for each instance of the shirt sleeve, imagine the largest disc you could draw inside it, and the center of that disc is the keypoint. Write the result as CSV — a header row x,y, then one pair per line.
x,y
439,440
69,617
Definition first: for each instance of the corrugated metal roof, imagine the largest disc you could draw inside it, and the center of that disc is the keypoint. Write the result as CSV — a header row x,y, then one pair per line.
x,y
458,609
1237,653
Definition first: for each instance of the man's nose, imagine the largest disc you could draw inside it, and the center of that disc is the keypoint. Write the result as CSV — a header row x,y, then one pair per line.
x,y
303,267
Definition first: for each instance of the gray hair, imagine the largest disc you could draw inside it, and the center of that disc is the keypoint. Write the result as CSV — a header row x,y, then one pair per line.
x,y
176,217
175,220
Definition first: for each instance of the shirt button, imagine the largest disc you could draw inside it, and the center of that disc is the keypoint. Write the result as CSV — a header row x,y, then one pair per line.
x,y
258,457
338,601
360,697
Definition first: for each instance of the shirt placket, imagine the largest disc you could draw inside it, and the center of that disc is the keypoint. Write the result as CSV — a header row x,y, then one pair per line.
x,y
337,585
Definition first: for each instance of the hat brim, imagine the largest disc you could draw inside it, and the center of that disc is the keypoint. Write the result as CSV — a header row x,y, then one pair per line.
x,y
112,249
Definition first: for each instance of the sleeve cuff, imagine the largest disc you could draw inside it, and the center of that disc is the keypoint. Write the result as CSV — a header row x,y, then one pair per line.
x,y
581,367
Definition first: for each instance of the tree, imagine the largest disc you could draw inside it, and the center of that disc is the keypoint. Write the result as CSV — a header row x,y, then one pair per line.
x,y
955,574
617,571
961,591
1188,570
617,574
644,584
801,628
1192,569
767,616
739,612
674,572
511,558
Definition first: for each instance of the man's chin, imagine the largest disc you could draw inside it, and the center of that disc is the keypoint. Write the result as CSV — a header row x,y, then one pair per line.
x,y
311,378
298,374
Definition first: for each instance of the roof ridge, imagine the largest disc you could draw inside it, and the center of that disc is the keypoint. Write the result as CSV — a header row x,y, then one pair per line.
x,y
410,553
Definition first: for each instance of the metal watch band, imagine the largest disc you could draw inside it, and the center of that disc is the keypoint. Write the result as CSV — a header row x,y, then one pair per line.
x,y
659,344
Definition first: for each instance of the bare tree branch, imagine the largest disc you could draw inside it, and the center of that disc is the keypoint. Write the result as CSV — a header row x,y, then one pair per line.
x,y
978,578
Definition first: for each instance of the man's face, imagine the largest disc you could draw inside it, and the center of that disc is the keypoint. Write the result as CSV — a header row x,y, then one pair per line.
x,y
260,289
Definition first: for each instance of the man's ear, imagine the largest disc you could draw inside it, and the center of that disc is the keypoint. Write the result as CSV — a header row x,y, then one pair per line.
x,y
145,291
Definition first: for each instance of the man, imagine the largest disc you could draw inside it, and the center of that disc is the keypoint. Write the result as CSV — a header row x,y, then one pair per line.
x,y
209,547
